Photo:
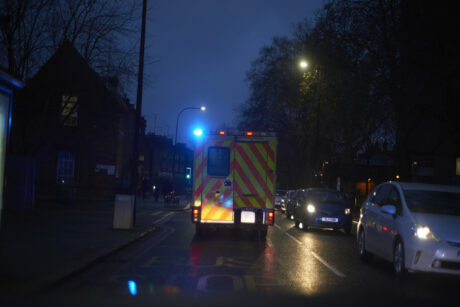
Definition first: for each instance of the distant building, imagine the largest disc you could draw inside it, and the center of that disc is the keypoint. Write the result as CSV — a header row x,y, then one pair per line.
x,y
158,163
373,168
79,131
434,153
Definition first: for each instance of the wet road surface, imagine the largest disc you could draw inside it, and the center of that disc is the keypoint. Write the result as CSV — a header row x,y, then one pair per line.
x,y
318,267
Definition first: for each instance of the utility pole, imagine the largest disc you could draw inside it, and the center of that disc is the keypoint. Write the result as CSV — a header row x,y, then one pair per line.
x,y
137,119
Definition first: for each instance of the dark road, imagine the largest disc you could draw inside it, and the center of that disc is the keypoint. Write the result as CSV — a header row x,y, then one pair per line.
x,y
316,266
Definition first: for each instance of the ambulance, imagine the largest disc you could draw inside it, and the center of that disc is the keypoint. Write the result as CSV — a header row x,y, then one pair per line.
x,y
233,181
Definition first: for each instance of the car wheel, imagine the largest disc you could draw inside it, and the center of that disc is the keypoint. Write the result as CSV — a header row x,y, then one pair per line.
x,y
398,258
363,254
261,236
295,222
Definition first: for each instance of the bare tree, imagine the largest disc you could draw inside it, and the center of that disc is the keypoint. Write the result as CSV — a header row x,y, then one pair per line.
x,y
23,35
103,31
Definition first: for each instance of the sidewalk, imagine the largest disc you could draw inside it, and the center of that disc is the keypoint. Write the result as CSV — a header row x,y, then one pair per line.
x,y
40,247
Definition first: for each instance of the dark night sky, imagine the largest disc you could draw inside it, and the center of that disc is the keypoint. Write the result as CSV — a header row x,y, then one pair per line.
x,y
203,50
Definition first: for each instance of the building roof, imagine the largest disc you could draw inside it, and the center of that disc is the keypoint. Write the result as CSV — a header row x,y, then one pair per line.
x,y
67,66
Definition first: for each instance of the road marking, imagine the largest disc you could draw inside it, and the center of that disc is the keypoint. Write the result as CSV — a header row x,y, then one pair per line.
x,y
278,226
156,213
269,242
164,219
317,257
330,267
163,234
294,238
355,222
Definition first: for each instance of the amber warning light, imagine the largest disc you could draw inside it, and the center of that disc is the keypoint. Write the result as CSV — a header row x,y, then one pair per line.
x,y
249,133
271,218
195,215
222,132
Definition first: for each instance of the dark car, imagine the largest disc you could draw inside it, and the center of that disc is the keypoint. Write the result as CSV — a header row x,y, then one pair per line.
x,y
324,208
285,200
291,202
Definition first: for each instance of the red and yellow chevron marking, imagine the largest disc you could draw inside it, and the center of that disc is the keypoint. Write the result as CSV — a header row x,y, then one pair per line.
x,y
252,173
215,206
271,164
252,183
197,174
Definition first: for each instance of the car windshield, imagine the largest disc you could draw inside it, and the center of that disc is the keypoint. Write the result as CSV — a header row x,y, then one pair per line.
x,y
319,196
434,202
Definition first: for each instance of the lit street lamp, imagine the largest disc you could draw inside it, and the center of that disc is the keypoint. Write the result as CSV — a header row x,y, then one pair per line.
x,y
303,64
202,108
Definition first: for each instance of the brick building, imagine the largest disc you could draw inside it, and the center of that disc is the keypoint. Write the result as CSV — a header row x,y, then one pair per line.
x,y
77,127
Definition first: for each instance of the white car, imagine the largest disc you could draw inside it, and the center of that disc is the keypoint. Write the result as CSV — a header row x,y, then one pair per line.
x,y
416,226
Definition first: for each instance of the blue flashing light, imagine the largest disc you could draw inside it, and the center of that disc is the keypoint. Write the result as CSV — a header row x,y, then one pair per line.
x,y
132,287
198,132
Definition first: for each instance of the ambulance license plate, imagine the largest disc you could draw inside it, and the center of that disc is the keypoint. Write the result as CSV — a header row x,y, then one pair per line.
x,y
248,217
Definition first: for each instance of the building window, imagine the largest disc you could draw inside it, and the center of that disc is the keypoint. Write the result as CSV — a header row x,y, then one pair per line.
x,y
69,111
65,167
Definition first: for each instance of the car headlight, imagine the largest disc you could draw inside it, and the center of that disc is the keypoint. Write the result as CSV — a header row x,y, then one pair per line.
x,y
347,211
311,208
423,232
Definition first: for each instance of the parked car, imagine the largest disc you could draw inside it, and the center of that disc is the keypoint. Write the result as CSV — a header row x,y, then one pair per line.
x,y
416,226
286,199
279,196
324,208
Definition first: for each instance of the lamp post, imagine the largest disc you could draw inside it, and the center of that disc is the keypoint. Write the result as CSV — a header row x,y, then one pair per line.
x,y
304,65
202,108
138,111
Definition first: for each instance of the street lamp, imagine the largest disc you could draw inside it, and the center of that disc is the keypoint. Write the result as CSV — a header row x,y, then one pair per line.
x,y
202,108
303,64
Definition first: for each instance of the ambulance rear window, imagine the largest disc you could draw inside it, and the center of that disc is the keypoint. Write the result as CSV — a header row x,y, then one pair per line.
x,y
218,161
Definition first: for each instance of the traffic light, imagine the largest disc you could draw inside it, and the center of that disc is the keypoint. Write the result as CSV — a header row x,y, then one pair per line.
x,y
188,173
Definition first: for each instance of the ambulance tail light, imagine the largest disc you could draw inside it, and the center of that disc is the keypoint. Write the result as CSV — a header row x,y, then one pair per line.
x,y
195,214
271,217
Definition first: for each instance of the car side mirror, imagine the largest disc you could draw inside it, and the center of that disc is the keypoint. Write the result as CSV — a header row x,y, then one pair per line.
x,y
388,209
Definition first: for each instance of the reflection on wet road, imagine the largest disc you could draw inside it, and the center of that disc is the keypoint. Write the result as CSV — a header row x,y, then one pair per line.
x,y
292,264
